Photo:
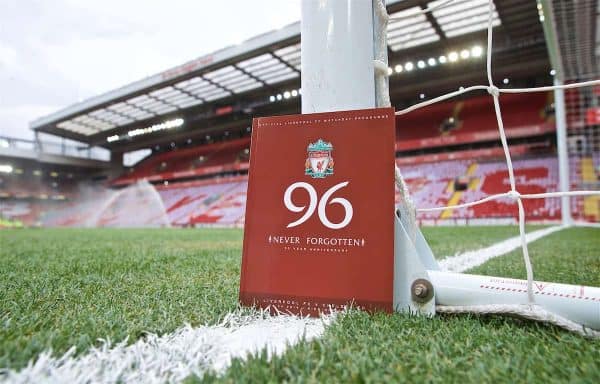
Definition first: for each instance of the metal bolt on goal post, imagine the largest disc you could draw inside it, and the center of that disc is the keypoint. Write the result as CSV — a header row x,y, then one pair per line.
x,y
344,40
422,290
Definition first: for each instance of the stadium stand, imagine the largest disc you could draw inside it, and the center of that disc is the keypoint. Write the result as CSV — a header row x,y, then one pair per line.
x,y
206,184
532,176
23,211
26,196
25,186
449,152
433,184
216,201
473,120
221,201
586,175
203,160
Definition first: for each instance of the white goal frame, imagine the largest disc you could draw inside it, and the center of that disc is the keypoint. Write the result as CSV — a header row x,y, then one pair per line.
x,y
344,65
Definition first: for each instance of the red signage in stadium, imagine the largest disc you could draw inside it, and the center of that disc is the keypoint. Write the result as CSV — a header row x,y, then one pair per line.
x,y
223,110
187,67
319,215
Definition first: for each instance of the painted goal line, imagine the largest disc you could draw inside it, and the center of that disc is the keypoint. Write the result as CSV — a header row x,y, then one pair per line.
x,y
173,357
471,259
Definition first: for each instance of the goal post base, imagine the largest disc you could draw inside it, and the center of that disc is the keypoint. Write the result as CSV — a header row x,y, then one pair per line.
x,y
420,286
577,303
413,289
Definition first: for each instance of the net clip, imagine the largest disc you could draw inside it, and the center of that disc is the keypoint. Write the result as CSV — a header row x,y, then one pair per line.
x,y
493,90
515,195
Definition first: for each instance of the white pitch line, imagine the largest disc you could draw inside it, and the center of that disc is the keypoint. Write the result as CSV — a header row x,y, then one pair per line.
x,y
471,259
583,224
173,357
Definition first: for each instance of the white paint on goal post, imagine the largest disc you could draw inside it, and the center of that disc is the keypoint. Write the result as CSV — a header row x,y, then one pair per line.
x,y
173,357
471,259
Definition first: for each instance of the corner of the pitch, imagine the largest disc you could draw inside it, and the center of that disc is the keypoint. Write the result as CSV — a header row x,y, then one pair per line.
x,y
413,290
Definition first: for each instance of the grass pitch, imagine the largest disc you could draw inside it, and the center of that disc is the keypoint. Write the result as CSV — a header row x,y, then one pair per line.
x,y
60,288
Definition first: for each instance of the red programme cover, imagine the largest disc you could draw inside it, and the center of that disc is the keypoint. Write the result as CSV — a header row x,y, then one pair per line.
x,y
320,210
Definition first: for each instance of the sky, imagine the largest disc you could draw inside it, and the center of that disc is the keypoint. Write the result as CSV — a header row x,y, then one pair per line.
x,y
56,53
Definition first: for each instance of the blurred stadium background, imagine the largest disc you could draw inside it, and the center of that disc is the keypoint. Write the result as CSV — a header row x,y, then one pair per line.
x,y
173,149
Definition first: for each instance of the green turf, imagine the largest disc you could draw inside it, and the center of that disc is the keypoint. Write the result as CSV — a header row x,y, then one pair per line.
x,y
60,288
569,256
382,348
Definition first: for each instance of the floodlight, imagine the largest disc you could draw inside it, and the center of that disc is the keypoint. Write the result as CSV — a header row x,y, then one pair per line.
x,y
476,51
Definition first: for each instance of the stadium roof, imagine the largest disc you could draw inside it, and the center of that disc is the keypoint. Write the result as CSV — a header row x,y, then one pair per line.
x,y
261,76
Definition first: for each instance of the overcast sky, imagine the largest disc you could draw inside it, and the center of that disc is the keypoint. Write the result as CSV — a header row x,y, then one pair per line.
x,y
54,53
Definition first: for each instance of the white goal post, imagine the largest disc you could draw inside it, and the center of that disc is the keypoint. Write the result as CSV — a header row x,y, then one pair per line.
x,y
344,66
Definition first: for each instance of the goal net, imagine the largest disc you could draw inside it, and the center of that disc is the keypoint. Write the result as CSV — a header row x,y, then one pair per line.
x,y
576,93
573,50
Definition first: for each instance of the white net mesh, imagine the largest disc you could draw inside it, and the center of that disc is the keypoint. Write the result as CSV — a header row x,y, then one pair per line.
x,y
574,23
580,97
